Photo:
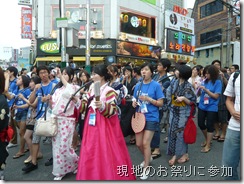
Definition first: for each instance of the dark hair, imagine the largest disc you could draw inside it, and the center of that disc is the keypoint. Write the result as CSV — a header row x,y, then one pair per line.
x,y
185,72
13,69
86,74
2,81
205,69
70,71
137,70
197,68
32,67
42,67
113,69
102,70
25,80
36,79
149,65
213,72
216,61
200,66
236,66
127,68
166,63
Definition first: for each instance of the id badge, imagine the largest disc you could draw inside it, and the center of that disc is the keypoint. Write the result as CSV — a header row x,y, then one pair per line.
x,y
206,100
144,108
92,119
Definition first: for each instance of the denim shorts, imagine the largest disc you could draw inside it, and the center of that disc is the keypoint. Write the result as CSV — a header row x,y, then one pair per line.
x,y
21,116
152,125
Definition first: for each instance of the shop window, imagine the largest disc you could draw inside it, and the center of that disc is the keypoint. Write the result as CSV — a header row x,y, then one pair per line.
x,y
136,24
207,53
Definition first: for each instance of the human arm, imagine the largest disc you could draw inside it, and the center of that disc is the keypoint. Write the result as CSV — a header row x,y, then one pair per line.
x,y
230,106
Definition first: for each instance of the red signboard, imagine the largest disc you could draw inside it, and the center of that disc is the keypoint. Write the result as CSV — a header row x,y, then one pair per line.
x,y
26,23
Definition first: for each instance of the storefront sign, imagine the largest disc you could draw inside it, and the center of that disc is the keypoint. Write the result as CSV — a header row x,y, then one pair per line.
x,y
138,50
179,42
178,9
179,22
99,47
26,23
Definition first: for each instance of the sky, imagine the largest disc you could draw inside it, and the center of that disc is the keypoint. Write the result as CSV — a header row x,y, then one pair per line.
x,y
10,30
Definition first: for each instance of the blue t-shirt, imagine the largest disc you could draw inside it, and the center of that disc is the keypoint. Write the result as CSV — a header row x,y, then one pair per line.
x,y
212,103
153,90
26,93
43,91
13,88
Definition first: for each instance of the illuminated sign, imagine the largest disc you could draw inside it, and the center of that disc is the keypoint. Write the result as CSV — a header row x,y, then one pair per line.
x,y
179,42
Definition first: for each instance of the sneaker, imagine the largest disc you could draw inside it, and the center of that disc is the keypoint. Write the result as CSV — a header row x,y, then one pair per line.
x,y
142,164
49,162
163,130
58,178
145,174
30,167
48,140
11,145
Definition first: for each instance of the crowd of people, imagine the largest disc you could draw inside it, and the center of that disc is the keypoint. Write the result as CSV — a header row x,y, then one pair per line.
x,y
100,123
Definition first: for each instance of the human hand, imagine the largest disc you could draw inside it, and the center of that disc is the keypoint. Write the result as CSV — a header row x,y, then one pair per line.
x,y
236,115
21,96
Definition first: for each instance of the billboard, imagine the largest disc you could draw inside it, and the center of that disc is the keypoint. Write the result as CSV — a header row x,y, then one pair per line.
x,y
26,23
126,48
179,22
180,42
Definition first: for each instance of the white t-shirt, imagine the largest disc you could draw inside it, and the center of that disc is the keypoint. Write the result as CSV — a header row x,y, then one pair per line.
x,y
232,91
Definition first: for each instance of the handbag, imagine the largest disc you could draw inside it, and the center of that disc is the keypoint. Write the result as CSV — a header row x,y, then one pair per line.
x,y
138,122
47,126
190,130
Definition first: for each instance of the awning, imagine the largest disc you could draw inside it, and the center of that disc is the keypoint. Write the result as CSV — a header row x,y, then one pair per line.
x,y
58,58
51,58
91,58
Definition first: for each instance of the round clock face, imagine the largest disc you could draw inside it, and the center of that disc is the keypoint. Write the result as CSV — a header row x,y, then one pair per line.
x,y
134,21
75,16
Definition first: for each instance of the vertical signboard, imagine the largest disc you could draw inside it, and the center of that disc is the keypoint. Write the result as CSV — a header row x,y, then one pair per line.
x,y
26,23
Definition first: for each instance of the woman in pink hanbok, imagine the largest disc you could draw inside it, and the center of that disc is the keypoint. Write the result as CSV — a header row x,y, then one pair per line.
x,y
103,154
65,160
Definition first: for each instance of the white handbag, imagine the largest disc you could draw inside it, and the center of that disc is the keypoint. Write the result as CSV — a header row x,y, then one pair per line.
x,y
46,126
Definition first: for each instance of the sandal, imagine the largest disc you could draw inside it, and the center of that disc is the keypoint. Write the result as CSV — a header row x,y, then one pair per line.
x,y
205,150
18,155
172,161
183,160
133,141
156,155
216,137
221,139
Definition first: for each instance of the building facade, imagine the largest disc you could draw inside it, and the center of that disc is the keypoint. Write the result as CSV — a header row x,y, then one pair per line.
x,y
128,22
217,31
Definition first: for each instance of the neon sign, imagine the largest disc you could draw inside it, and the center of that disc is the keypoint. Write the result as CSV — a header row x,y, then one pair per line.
x,y
179,42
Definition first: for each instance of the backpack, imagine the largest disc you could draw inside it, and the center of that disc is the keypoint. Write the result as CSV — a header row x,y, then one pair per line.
x,y
190,130
235,77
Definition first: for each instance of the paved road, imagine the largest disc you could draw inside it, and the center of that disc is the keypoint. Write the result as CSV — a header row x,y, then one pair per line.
x,y
201,166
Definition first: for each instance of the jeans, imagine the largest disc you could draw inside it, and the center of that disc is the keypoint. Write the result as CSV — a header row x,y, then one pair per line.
x,y
231,153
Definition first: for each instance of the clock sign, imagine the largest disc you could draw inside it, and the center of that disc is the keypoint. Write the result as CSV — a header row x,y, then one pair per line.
x,y
134,21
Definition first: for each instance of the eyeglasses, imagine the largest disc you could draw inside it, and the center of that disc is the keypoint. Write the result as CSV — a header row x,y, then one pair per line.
x,y
44,72
232,68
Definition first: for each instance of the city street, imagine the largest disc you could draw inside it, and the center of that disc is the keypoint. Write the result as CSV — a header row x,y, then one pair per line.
x,y
201,166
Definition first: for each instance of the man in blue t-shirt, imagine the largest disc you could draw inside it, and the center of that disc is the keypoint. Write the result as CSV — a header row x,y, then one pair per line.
x,y
40,96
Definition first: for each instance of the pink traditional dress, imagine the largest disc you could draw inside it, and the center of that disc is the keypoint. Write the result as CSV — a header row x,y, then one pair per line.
x,y
65,160
103,154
